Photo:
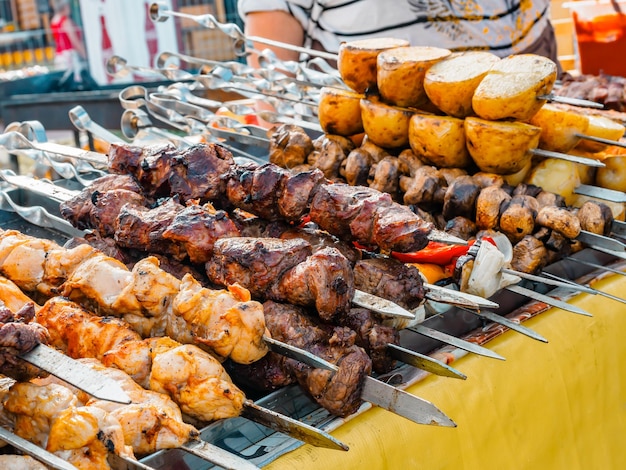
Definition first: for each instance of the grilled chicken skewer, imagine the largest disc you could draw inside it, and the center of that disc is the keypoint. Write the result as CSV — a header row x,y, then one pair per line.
x,y
82,284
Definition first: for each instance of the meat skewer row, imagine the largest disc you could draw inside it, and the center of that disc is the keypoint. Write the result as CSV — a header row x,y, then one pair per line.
x,y
52,417
323,279
225,322
186,374
209,173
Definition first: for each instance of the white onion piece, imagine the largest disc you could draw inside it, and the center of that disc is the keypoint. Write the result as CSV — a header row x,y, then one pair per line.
x,y
504,245
487,278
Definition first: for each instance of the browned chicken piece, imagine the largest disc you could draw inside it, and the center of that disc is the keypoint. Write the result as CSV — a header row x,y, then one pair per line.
x,y
151,422
294,198
357,167
529,255
338,392
368,217
106,208
285,271
372,336
193,379
19,335
153,301
489,205
196,228
517,218
142,228
78,333
330,156
427,188
385,176
595,217
390,279
289,146
461,227
226,321
52,417
559,219
13,297
460,198
78,210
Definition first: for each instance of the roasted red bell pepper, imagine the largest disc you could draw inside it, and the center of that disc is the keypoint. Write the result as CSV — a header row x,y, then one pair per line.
x,y
435,252
439,253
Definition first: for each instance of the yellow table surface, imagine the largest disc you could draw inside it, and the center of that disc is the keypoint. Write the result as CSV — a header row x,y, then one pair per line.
x,y
555,405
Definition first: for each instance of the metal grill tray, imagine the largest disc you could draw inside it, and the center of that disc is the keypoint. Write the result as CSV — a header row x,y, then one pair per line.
x,y
254,442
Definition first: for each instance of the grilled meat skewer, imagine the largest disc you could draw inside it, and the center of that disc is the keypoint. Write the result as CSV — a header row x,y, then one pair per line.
x,y
209,173
154,302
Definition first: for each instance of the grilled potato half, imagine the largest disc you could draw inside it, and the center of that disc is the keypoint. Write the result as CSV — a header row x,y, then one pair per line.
x,y
356,61
560,128
339,111
501,147
401,72
604,128
512,87
386,126
439,140
451,82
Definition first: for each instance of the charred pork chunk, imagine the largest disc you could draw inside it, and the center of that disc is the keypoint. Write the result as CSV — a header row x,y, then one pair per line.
x,y
142,228
17,336
390,279
265,375
271,192
85,210
372,336
285,271
368,217
338,392
320,239
163,170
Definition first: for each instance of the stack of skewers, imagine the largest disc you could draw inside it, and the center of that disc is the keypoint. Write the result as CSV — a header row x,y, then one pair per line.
x,y
224,257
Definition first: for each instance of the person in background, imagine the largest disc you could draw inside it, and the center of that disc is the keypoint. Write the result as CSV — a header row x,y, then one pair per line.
x,y
502,27
70,54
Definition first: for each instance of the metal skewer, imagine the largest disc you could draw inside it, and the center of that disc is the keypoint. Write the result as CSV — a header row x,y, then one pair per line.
x,y
495,318
547,300
595,265
159,13
454,341
551,280
595,291
601,193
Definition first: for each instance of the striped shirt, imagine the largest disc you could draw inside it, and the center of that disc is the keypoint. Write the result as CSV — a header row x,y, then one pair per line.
x,y
503,27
